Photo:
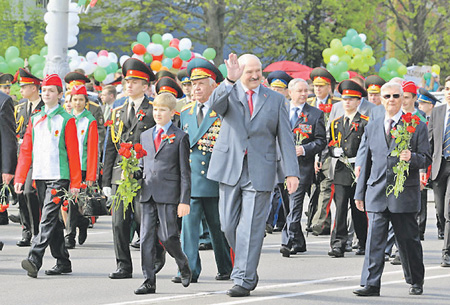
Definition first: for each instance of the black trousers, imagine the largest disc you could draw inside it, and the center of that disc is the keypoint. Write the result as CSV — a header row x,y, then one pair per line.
x,y
441,188
292,234
159,220
51,227
343,195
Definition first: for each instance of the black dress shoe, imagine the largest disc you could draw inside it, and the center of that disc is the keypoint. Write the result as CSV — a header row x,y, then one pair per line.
x,y
368,291
58,270
205,246
177,279
336,252
30,267
82,234
269,228
396,260
24,242
120,274
14,218
1,245
416,289
222,277
445,260
70,243
185,275
348,248
297,249
360,251
441,235
146,288
285,251
238,291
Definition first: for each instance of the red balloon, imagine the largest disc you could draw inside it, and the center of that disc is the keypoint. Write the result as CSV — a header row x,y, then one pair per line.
x,y
103,53
159,58
177,63
174,43
139,49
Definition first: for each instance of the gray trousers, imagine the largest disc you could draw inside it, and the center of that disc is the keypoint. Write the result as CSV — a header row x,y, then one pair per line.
x,y
243,214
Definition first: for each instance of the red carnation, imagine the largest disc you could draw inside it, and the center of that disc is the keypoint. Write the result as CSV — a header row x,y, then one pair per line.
x,y
108,123
126,145
416,118
83,186
64,209
411,129
54,192
56,200
126,153
407,117
65,203
138,147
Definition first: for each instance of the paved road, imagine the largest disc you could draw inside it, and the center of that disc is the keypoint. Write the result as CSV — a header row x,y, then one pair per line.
x,y
310,278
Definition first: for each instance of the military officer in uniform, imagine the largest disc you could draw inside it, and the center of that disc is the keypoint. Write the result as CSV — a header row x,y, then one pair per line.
x,y
6,80
29,206
324,84
373,86
203,126
345,135
279,81
186,86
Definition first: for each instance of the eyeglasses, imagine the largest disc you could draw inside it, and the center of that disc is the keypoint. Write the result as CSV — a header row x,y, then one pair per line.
x,y
388,96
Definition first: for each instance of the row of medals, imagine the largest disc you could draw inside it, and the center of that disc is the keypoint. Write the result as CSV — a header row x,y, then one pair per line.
x,y
206,143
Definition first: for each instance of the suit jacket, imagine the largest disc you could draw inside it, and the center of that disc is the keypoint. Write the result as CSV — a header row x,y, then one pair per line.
x,y
436,137
201,141
256,135
311,121
376,171
23,117
8,141
166,173
130,133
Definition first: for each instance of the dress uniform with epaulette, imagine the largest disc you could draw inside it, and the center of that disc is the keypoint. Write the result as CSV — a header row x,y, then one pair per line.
x,y
6,80
345,134
322,77
186,84
203,126
29,206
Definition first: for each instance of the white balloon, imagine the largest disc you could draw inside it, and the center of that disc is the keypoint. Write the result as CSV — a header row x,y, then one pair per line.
x,y
84,65
51,5
74,30
103,61
363,37
151,48
122,59
334,58
91,56
159,50
198,55
49,17
167,36
73,19
140,57
109,79
112,57
48,28
90,68
72,41
73,7
185,44
46,38
82,58
74,65
73,53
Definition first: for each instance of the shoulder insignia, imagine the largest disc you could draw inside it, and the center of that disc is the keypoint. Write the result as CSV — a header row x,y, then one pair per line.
x,y
212,114
335,98
310,99
188,106
364,117
150,102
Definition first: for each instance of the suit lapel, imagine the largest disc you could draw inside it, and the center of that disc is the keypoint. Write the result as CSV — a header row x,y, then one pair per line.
x,y
164,143
208,120
262,97
440,126
151,139
144,106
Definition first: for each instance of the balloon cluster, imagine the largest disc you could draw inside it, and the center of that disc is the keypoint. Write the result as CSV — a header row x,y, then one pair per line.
x,y
349,53
11,62
434,69
74,19
102,65
391,68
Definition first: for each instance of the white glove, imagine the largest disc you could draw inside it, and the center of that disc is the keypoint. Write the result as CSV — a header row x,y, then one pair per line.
x,y
337,152
107,191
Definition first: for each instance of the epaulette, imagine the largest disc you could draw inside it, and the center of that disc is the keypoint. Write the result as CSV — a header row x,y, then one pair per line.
x,y
150,102
94,104
364,117
188,106
336,119
310,99
335,98
118,107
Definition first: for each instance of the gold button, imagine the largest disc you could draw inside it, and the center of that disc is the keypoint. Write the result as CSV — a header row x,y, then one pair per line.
x,y
345,148
202,172
203,163
345,140
190,160
190,150
131,132
204,153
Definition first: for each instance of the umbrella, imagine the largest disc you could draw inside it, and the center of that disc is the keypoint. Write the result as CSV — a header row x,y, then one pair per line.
x,y
292,68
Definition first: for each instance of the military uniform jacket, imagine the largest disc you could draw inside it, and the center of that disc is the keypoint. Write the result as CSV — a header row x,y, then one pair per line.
x,y
8,142
97,112
330,100
202,139
22,116
123,130
349,142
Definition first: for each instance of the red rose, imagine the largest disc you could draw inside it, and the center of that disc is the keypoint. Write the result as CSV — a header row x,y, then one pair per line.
x,y
138,147
64,209
407,117
83,186
127,154
56,200
126,145
411,129
65,203
416,118
144,152
54,192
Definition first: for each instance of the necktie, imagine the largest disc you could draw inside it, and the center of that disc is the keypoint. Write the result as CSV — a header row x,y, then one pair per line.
x,y
388,128
157,140
446,145
200,114
132,114
250,101
294,117
30,109
347,125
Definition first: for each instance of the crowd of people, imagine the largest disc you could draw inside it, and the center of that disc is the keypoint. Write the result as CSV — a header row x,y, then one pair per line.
x,y
233,157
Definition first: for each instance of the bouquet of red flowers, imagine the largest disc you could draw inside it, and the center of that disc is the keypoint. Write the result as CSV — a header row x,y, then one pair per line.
x,y
4,193
128,186
326,108
402,136
300,136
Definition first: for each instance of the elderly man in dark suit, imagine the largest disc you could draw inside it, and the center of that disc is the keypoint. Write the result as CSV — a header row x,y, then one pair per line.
x,y
243,161
376,175
310,121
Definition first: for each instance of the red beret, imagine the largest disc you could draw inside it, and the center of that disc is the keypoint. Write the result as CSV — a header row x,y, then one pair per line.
x,y
52,80
78,89
409,86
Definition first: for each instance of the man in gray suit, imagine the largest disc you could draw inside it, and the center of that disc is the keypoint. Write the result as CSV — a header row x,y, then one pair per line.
x,y
376,174
244,161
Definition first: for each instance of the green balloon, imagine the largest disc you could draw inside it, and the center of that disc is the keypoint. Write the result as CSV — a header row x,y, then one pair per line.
x,y
384,73
143,38
157,38
39,74
393,74
391,64
11,53
100,74
351,33
356,41
402,70
367,52
133,44
111,68
343,76
364,68
358,60
185,54
44,51
335,43
34,59
346,58
223,70
37,67
167,62
327,53
371,61
346,41
427,76
209,53
148,58
15,64
2,59
342,66
166,43
3,67
171,52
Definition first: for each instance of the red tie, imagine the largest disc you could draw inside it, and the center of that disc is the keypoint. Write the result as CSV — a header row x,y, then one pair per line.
x,y
250,101
157,140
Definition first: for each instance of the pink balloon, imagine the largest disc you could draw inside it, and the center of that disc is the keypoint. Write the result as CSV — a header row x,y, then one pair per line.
x,y
103,53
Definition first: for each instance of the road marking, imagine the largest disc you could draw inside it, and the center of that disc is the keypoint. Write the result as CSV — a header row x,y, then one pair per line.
x,y
278,286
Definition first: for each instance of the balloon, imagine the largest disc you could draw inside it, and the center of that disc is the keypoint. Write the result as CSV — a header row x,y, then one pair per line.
x,y
346,58
140,57
167,36
166,43
71,53
358,59
335,43
3,67
74,19
74,64
332,69
339,50
185,44
436,69
356,51
100,74
103,53
334,59
177,62
39,74
171,52
185,54
351,33
139,49
209,53
103,61
122,59
223,70
174,43
46,38
34,59
143,38
326,60
427,76
402,70
16,63
91,56
346,41
364,68
73,30
371,61
164,68
158,57
109,78
348,49
384,73
393,64
356,41
327,53
367,52
342,66
112,67
44,51
11,53
148,58
158,50
72,41
363,37
157,38
38,66
343,76
167,62
89,68
156,65
112,57
393,74
2,59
